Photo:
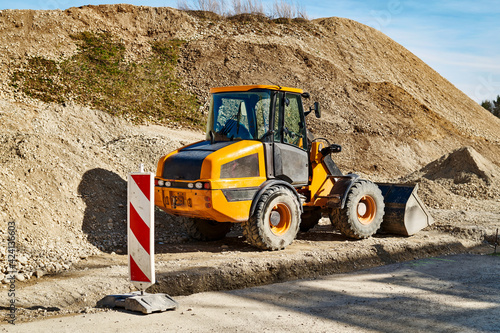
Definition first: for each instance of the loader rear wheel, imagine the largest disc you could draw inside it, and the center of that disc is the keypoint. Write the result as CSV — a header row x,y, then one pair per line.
x,y
363,212
206,230
275,222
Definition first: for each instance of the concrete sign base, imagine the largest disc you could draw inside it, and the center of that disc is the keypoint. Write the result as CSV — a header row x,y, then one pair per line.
x,y
140,302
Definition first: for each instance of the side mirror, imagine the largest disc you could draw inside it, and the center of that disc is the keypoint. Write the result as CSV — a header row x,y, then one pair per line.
x,y
317,110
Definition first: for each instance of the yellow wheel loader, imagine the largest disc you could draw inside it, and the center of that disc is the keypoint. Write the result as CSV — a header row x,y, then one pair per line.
x,y
258,166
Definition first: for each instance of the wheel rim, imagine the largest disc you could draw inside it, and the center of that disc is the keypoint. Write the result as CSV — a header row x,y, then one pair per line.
x,y
280,219
366,210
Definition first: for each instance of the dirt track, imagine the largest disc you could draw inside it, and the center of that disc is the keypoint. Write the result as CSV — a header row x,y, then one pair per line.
x,y
444,294
184,269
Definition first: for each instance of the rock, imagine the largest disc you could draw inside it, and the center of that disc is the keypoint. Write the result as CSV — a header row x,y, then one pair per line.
x,y
20,277
39,273
22,260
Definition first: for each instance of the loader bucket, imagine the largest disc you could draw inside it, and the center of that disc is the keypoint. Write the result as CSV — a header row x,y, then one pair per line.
x,y
405,213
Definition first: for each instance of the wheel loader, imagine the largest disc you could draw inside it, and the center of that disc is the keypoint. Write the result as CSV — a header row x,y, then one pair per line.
x,y
259,166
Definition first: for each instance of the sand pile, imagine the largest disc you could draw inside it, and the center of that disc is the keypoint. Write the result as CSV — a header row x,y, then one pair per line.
x,y
462,166
464,173
63,183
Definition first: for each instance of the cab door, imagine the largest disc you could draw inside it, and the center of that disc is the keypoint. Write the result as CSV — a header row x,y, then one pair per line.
x,y
291,159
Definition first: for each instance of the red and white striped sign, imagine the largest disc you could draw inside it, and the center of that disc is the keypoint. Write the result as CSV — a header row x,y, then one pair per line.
x,y
140,226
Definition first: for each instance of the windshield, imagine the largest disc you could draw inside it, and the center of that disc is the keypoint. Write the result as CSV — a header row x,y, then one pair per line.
x,y
239,115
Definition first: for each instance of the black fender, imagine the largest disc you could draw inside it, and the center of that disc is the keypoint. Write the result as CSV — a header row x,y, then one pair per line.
x,y
341,188
268,184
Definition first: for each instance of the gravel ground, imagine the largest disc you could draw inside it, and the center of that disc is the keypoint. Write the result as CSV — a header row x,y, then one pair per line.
x,y
457,293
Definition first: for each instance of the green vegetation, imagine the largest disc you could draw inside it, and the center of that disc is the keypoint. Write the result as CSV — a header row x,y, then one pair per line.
x,y
492,106
99,76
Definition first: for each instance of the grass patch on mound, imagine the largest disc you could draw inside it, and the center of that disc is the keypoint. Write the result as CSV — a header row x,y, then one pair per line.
x,y
99,76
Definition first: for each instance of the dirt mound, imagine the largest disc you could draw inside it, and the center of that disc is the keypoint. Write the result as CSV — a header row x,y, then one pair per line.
x,y
461,166
63,170
391,112
64,183
454,179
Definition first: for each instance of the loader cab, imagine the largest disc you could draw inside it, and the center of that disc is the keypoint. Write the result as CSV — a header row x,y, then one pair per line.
x,y
269,114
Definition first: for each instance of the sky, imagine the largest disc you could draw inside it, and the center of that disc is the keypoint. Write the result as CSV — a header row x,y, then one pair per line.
x,y
457,38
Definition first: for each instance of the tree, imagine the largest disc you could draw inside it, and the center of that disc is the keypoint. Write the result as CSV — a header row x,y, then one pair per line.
x,y
487,105
492,106
496,107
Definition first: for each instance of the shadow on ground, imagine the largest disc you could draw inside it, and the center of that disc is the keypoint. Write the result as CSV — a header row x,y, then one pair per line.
x,y
105,218
448,294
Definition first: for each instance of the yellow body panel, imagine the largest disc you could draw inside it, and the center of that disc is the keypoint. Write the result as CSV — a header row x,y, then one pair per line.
x,y
212,164
212,203
257,86
193,202
320,183
205,204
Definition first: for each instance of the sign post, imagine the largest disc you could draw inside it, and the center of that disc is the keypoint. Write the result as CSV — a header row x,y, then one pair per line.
x,y
140,229
140,244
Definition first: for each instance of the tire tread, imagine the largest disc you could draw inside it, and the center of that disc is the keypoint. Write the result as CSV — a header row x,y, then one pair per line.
x,y
251,230
341,219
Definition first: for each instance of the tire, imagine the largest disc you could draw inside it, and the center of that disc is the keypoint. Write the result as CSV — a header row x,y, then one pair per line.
x,y
363,212
275,222
309,219
206,230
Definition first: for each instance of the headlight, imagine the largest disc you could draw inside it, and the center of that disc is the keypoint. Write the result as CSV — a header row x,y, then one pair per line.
x,y
199,185
160,182
168,184
190,185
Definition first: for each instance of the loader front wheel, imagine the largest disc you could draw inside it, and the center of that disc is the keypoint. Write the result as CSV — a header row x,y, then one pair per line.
x,y
206,230
363,212
275,222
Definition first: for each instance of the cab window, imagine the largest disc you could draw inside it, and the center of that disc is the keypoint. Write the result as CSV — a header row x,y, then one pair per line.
x,y
293,126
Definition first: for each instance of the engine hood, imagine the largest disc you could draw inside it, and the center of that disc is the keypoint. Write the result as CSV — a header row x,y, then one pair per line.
x,y
186,164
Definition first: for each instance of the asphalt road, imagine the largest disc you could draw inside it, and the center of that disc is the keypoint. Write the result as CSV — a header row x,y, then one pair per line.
x,y
459,293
